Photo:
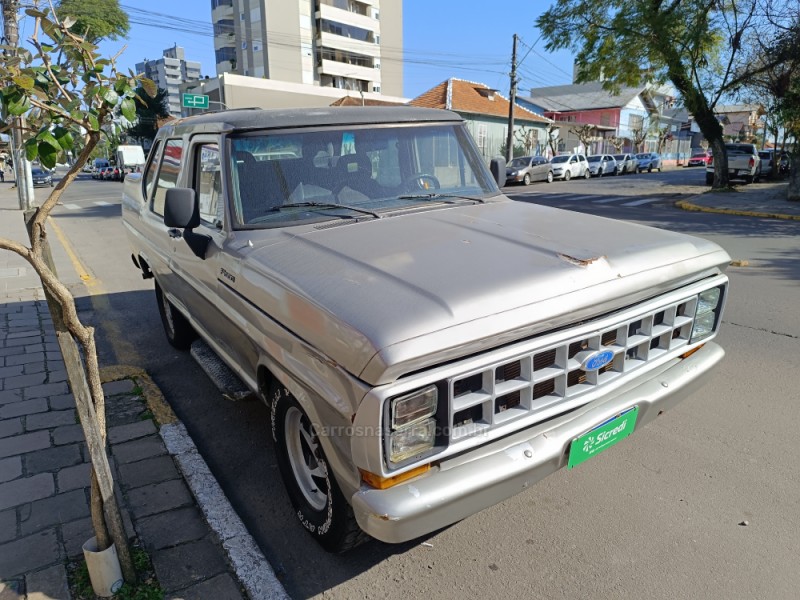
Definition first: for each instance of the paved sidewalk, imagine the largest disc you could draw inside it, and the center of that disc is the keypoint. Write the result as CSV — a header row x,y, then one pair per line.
x,y
762,200
44,466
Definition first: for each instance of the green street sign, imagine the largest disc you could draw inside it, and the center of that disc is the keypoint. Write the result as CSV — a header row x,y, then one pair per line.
x,y
194,101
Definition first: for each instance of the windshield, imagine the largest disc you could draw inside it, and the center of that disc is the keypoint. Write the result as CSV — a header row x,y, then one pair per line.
x,y
290,177
37,172
594,158
619,157
559,159
642,156
519,163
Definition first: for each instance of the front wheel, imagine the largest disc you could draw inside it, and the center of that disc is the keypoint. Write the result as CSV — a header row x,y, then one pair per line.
x,y
567,175
549,177
587,174
316,498
180,333
526,180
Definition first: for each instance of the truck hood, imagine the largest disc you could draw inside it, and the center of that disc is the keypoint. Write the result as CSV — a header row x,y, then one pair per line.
x,y
385,297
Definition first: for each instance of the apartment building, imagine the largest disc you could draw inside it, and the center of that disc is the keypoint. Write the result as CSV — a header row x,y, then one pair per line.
x,y
353,45
169,72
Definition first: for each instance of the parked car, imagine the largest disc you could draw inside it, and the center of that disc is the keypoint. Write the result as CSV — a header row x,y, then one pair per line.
x,y
426,346
567,166
98,173
767,161
626,163
525,169
699,158
648,161
41,177
602,164
743,163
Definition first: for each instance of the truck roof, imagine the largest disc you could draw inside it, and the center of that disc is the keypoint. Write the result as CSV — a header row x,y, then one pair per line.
x,y
258,118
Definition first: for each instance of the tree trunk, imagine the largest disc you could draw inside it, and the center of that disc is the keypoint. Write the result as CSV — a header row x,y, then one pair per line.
x,y
793,192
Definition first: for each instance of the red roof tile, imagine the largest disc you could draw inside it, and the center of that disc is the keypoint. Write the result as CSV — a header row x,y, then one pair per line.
x,y
470,97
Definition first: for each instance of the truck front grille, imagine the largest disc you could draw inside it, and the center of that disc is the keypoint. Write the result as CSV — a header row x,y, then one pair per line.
x,y
541,378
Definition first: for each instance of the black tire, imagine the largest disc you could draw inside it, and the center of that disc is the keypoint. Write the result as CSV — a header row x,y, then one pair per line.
x,y
600,172
180,334
587,174
526,180
317,500
650,169
567,175
709,178
748,179
549,177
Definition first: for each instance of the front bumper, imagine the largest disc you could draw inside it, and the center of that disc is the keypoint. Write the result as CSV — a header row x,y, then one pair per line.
x,y
466,484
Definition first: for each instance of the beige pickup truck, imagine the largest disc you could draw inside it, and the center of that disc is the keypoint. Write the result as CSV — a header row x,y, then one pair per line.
x,y
427,347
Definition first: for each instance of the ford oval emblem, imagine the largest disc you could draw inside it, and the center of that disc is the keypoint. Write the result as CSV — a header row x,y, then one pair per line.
x,y
597,360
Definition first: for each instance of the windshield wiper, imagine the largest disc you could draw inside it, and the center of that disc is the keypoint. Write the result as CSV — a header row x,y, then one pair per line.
x,y
326,205
437,196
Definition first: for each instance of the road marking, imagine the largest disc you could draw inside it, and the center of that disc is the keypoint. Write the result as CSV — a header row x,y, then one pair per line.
x,y
123,349
71,206
607,200
642,201
102,203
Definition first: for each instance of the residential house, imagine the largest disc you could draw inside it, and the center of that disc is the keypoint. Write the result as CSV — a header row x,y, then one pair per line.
x,y
486,114
643,109
740,122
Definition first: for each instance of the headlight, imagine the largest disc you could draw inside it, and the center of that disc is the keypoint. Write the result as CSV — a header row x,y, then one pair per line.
x,y
413,426
707,313
414,407
412,440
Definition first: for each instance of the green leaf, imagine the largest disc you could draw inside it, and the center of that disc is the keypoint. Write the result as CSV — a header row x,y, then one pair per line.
x,y
128,109
23,81
93,121
149,86
68,22
47,155
109,96
32,12
46,137
63,137
19,105
31,149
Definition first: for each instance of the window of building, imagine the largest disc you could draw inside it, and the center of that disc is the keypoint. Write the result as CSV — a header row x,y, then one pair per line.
x,y
224,54
241,16
635,121
244,45
376,88
223,27
348,31
218,3
167,174
256,47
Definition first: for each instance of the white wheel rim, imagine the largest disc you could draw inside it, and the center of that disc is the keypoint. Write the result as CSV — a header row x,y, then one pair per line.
x,y
304,453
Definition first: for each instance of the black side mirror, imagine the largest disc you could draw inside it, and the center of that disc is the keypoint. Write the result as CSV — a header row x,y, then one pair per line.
x,y
181,209
498,169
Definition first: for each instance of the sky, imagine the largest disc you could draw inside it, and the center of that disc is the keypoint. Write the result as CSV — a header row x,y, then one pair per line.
x,y
468,39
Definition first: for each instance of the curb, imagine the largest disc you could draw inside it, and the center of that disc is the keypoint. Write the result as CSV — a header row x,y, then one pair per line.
x,y
247,561
689,206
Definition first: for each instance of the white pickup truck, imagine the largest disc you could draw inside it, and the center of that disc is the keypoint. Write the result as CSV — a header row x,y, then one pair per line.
x,y
743,163
427,347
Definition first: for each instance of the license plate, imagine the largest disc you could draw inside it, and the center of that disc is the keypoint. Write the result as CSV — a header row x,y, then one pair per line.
x,y
602,437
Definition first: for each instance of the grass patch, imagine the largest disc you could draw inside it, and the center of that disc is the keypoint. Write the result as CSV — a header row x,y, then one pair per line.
x,y
147,587
724,190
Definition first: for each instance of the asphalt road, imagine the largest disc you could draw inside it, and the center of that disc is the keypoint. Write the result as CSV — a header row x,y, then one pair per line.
x,y
660,516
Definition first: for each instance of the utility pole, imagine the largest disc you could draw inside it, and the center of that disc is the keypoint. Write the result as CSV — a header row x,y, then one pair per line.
x,y
22,169
512,98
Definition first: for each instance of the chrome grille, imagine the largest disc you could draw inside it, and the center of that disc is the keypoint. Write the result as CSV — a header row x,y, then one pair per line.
x,y
542,378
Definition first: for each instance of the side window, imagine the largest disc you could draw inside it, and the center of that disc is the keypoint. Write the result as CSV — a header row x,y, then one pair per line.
x,y
167,174
208,184
149,176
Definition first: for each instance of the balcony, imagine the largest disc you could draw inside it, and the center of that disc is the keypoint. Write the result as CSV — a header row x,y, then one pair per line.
x,y
332,67
346,17
221,12
338,42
